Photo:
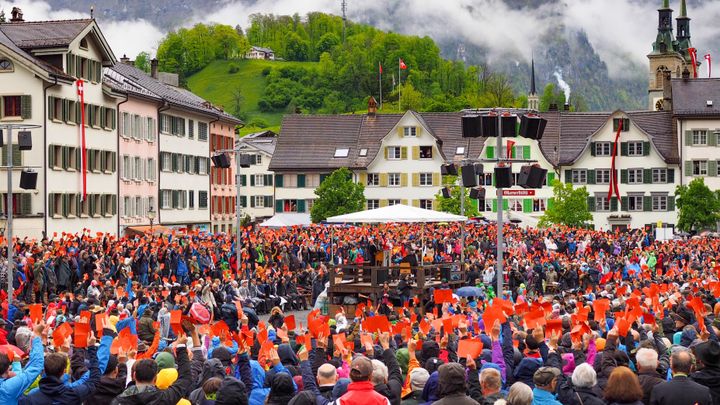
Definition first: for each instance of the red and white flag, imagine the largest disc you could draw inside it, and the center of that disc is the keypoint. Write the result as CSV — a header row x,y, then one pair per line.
x,y
83,150
708,58
510,146
380,65
403,66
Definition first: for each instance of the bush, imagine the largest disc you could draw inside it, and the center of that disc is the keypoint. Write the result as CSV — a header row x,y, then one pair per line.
x,y
233,68
266,70
257,123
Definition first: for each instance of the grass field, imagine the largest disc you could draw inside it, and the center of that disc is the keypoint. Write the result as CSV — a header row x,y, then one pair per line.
x,y
216,84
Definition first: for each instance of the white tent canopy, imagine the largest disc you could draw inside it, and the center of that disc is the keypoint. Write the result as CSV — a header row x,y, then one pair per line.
x,y
525,220
396,213
287,220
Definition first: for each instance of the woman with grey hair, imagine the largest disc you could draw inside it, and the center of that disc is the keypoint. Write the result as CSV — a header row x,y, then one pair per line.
x,y
584,381
519,394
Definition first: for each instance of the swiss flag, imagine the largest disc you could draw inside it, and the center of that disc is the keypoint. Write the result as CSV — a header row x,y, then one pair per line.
x,y
403,66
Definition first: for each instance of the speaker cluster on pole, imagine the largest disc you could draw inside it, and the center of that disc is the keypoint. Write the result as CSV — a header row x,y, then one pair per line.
x,y
531,126
246,160
28,179
532,176
222,160
477,193
448,169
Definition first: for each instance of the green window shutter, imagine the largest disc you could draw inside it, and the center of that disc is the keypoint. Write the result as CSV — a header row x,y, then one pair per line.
x,y
16,155
688,168
647,203
527,205
65,157
646,148
671,203
51,156
712,167
103,124
323,177
712,138
113,203
26,203
65,110
623,203
616,121
69,64
490,152
26,107
688,138
591,177
623,149
252,202
268,180
550,203
568,176
278,206
65,204
252,181
506,204
267,201
550,178
243,201
613,204
301,180
243,180
279,182
623,176
78,158
526,152
494,205
592,148
591,204
50,107
300,205
647,176
671,175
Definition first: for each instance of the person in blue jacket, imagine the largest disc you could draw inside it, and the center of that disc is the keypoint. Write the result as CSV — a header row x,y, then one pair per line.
x,y
12,384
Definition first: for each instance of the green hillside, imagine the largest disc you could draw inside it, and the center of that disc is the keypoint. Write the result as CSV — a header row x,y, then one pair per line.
x,y
216,83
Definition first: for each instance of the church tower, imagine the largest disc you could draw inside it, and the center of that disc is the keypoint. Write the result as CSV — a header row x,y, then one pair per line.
x,y
666,58
533,98
683,33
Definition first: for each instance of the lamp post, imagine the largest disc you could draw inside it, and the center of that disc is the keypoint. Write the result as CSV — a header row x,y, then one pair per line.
x,y
151,216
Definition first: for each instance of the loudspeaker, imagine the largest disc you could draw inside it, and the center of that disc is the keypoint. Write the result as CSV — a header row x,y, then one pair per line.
x,y
532,126
471,126
479,169
477,193
28,179
382,276
448,169
531,176
24,140
503,177
469,178
245,160
445,192
489,124
222,160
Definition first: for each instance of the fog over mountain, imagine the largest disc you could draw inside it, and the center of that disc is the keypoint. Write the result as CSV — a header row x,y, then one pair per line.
x,y
596,47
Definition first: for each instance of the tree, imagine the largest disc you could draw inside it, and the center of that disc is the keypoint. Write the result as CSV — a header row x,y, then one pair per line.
x,y
237,101
699,207
569,207
499,91
452,205
338,194
142,61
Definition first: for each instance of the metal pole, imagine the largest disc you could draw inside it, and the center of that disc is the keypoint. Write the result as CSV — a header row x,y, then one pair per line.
x,y
9,207
238,231
462,224
499,191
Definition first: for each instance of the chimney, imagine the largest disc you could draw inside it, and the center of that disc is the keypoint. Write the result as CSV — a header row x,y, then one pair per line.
x,y
686,73
154,68
16,15
125,60
566,107
553,107
372,106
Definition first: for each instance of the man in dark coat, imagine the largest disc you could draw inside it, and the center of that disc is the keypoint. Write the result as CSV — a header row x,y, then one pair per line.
x,y
112,383
680,390
708,356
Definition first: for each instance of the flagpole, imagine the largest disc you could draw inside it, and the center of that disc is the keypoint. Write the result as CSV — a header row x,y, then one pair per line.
x,y
380,84
399,87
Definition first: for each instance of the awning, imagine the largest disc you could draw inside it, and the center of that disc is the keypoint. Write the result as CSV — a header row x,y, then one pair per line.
x,y
142,229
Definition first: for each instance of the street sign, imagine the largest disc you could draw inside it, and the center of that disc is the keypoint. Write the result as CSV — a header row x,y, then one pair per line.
x,y
518,193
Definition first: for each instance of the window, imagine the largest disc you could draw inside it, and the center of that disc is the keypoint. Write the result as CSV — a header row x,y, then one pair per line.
x,y
625,124
259,201
393,202
394,179
635,176
699,137
426,179
259,180
165,124
126,168
258,159
289,180
603,148
191,198
6,65
312,180
635,148
539,205
150,128
373,179
202,131
602,176
126,127
165,199
659,176
460,150
394,152
202,198
659,203
635,203
138,173
602,203
699,167
139,212
486,179
485,205
373,204
11,106
202,163
426,152
341,153
363,152
410,131
579,176
516,205
150,170
426,204
126,208
191,129
84,43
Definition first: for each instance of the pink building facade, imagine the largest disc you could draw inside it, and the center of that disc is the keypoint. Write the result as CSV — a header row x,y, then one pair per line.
x,y
222,181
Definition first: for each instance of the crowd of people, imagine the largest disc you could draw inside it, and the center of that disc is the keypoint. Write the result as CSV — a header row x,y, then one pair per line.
x,y
586,317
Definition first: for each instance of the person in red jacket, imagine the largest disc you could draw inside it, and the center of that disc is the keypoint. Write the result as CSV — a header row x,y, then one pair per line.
x,y
361,391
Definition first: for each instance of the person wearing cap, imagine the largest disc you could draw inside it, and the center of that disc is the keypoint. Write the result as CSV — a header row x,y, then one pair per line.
x,y
545,380
453,386
708,367
361,390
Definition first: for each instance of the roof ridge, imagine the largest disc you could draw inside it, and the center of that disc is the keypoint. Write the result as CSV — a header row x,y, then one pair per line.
x,y
71,20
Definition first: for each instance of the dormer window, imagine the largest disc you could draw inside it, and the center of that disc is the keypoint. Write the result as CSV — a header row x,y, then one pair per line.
x,y
410,132
6,65
84,43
